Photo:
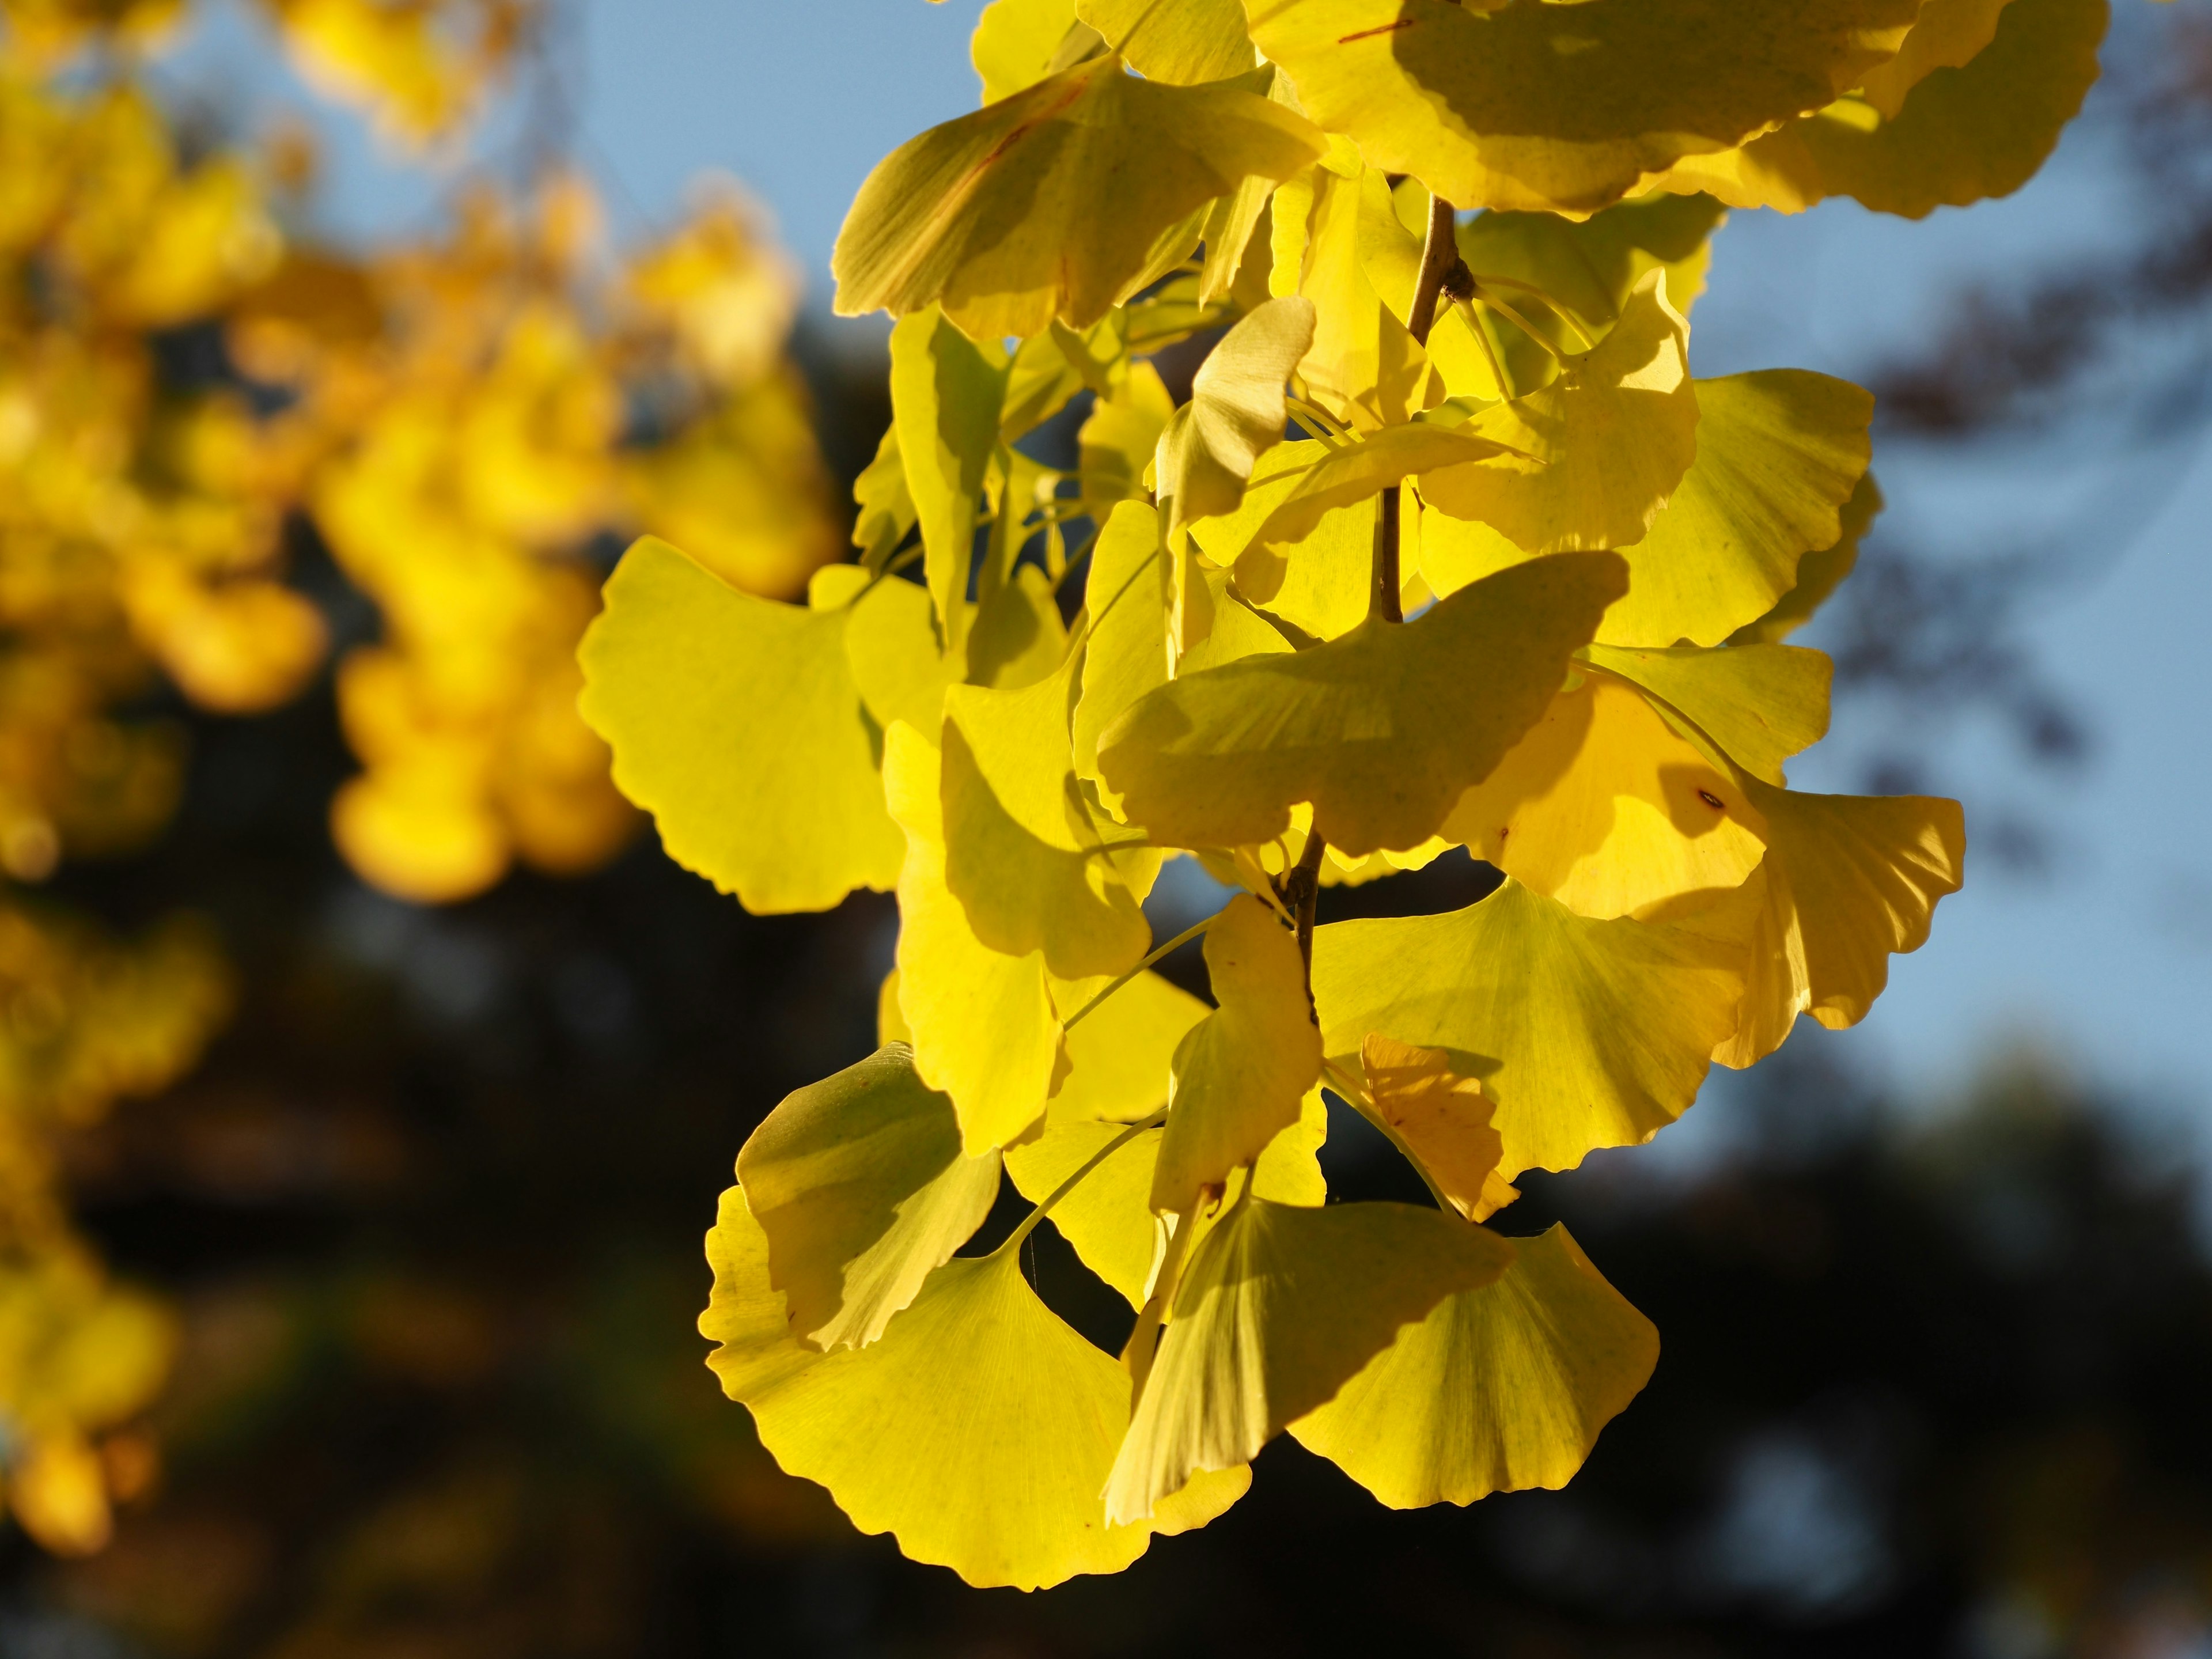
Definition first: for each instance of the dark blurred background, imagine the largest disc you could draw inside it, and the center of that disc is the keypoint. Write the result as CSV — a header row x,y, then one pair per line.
x,y
1937,1332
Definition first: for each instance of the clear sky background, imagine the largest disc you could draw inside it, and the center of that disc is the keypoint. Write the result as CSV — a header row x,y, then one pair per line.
x,y
2104,962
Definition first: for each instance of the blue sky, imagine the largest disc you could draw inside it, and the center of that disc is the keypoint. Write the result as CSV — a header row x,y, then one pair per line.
x,y
2103,962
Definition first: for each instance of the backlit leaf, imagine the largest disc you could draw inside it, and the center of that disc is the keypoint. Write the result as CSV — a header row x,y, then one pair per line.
x,y
945,398
860,1184
1182,41
1760,703
979,1430
1049,203
1280,1306
1380,730
983,1025
1526,105
1586,1034
1598,452
1236,412
1015,43
1819,573
735,722
1444,1118
1118,1057
1500,1389
1240,1073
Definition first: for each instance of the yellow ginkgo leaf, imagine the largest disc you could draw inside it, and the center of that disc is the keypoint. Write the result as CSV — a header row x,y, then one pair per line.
x,y
891,646
1352,473
1126,655
1596,452
1949,35
1239,1075
980,1431
1321,586
1016,639
1818,575
1961,136
860,1184
735,722
983,1025
1024,853
1051,202
1848,881
1529,105
1500,1389
1586,1034
1604,807
946,398
1016,42
1108,1217
1118,1057
1280,1306
1779,454
1236,412
1442,1117
886,506
747,1318
1116,444
1760,704
1380,730
1592,266
1364,367
1184,42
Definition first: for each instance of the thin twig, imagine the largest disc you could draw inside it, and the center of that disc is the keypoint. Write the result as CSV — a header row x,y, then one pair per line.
x,y
1439,259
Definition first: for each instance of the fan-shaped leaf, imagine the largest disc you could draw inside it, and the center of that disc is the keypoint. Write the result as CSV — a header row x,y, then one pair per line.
x,y
1052,202
1280,1306
1443,1118
1586,1034
1380,730
1759,703
1184,42
1498,1390
735,721
1239,1074
859,1183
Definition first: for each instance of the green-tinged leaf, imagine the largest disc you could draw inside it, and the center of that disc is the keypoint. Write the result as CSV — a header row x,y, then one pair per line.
x,y
747,1318
891,647
1108,1217
1585,1034
1357,472
1380,730
1605,807
1818,575
1593,266
983,1025
1500,1389
1779,454
735,721
1182,41
1018,638
979,1430
1116,443
1045,374
1118,1057
1320,586
1239,1075
860,1184
1442,1118
1127,652
1536,105
1236,412
1596,452
1050,202
1949,35
1022,852
1016,42
945,395
1281,1305
887,512
1848,881
1759,703
1961,135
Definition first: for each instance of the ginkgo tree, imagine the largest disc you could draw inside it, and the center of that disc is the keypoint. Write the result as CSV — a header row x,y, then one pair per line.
x,y
1447,546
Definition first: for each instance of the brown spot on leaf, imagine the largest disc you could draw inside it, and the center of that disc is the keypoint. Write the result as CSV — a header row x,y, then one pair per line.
x,y
1712,800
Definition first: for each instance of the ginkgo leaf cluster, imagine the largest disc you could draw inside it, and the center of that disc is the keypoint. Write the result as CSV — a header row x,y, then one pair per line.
x,y
1446,546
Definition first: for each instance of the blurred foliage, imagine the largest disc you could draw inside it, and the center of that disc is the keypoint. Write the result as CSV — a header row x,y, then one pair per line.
x,y
194,396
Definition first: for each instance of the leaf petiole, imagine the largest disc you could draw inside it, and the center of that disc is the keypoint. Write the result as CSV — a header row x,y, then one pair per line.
x,y
1182,939
1030,1221
1355,1095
